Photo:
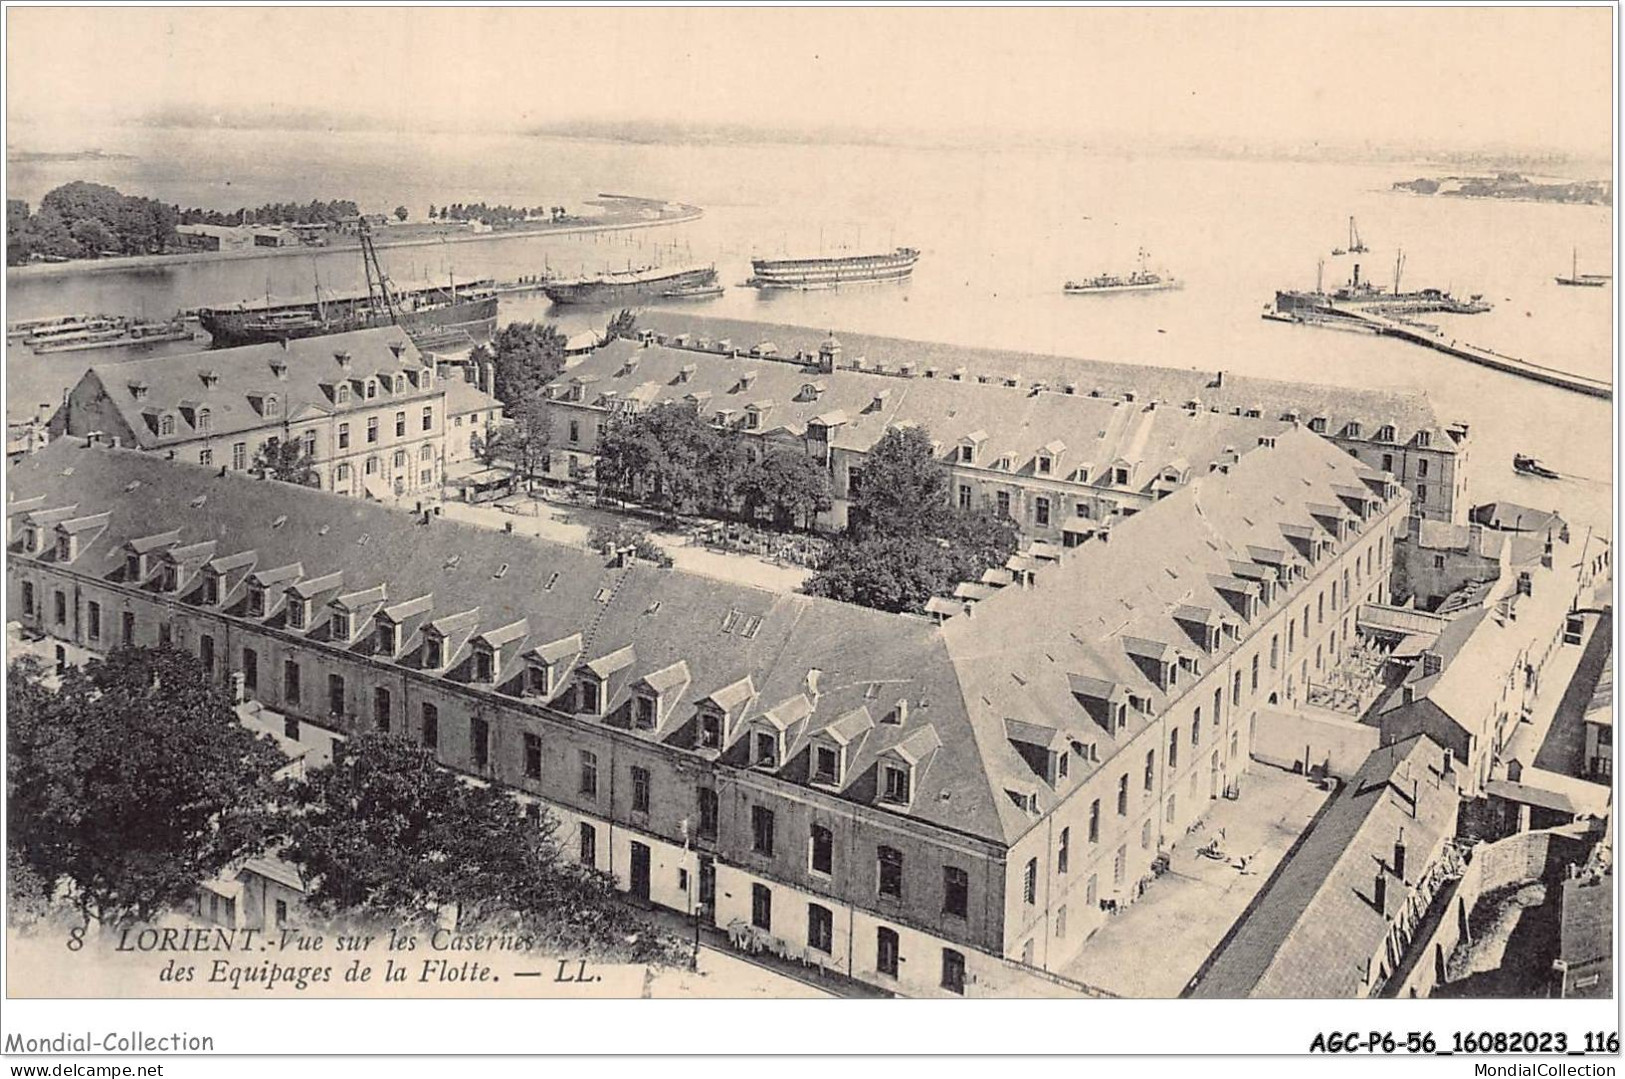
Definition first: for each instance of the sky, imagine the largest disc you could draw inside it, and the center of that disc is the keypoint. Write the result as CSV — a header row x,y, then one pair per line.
x,y
1447,78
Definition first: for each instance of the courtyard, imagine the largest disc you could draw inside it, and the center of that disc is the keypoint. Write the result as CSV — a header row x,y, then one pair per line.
x,y
1155,946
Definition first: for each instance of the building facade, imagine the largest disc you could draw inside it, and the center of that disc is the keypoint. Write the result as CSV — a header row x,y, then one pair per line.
x,y
364,406
932,807
1397,431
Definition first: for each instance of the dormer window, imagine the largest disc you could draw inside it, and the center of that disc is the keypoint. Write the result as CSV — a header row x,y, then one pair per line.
x,y
1385,433
895,782
135,567
1318,425
1120,476
765,749
211,589
389,638
372,389
1424,439
166,425
273,405
205,421
592,697
256,601
484,664
967,454
67,547
1046,464
645,711
710,730
341,625
298,612
1353,429
343,394
31,539
826,765
172,577
434,651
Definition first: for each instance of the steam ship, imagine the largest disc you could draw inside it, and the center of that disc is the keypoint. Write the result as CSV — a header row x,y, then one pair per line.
x,y
812,273
1141,280
635,286
467,313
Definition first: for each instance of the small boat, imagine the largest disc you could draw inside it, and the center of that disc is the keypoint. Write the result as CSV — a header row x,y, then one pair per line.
x,y
1141,280
1576,279
1529,466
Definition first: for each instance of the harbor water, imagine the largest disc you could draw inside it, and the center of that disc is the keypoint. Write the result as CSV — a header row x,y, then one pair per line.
x,y
1000,232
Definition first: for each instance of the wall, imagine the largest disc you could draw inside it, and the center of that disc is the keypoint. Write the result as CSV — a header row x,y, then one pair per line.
x,y
1290,739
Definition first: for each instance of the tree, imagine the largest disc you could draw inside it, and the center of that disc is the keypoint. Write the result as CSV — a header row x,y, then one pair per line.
x,y
658,457
791,486
431,211
523,441
889,573
133,781
624,324
525,356
385,832
93,236
285,460
904,489
402,213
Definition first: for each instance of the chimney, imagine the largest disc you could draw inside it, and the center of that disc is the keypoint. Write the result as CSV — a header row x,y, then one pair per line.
x,y
397,348
901,711
343,358
1379,894
1449,764
1219,381
813,676
279,367
1399,855
488,378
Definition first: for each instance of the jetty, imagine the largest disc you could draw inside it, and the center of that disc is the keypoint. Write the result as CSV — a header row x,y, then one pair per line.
x,y
1371,321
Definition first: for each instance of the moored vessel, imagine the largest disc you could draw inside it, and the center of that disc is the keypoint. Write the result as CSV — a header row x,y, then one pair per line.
x,y
632,286
1141,280
1529,466
809,273
1576,279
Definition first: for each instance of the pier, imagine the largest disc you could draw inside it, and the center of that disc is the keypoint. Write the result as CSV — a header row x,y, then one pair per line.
x,y
1348,317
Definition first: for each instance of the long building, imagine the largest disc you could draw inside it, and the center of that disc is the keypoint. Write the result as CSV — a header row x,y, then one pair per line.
x,y
1063,467
1395,430
933,807
364,405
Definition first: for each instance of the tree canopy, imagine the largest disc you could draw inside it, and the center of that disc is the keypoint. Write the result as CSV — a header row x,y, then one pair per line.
x,y
526,356
285,460
522,441
387,832
905,541
132,781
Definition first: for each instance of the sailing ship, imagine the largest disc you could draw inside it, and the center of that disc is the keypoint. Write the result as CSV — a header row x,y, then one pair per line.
x,y
1356,245
467,314
1141,280
810,273
1576,279
633,286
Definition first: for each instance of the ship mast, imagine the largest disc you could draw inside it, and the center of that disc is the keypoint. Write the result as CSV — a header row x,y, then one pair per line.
x,y
370,266
1399,266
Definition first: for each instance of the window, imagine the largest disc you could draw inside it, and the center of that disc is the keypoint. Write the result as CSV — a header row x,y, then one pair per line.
x,y
1438,561
820,928
533,757
1002,501
372,466
575,430
128,627
821,854
1170,813
761,907
1029,882
1421,493
296,613
1275,654
251,670
1091,892
400,459
1218,705
889,872
1060,924
341,625
1120,866
290,681
640,789
166,426
344,394
400,425
1122,795
1422,467
1094,821
953,971
896,790
28,597
430,727
964,496
826,765
710,731
484,661
1255,669
1150,769
886,952
380,709
372,428
1387,462
589,697
644,711
428,417
335,694
205,653
239,455
344,436
1064,851
1041,511
955,891
767,749
761,830
310,443
589,844
426,477
479,735
1196,729
290,728
205,457
589,774
93,617
708,812
425,452
165,637
1235,691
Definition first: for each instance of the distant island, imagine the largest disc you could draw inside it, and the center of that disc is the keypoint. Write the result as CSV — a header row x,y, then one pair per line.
x,y
1513,186
29,156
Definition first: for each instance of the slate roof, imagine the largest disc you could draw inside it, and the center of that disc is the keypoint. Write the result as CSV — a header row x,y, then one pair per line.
x,y
1409,411
312,372
1314,928
1098,432
463,397
1587,919
1019,655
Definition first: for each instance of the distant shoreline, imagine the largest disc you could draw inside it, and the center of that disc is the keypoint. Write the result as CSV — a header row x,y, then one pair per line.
x,y
75,267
